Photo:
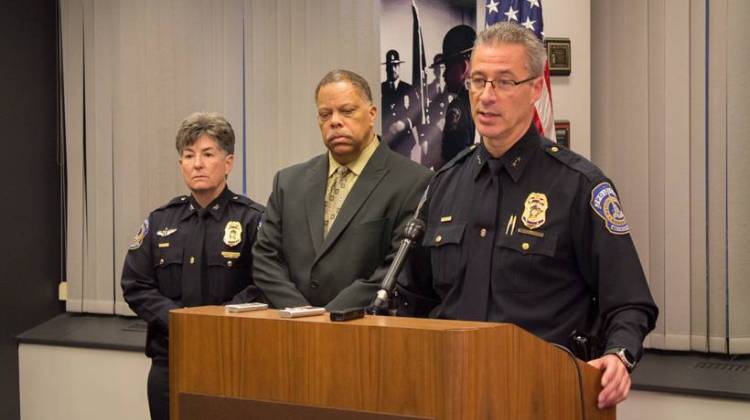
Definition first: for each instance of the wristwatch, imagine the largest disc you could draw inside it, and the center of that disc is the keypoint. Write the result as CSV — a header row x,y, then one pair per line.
x,y
625,356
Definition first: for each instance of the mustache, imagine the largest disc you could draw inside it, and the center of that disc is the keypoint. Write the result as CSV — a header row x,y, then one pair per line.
x,y
337,134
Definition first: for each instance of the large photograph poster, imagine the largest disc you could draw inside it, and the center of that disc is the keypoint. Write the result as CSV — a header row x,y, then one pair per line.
x,y
425,47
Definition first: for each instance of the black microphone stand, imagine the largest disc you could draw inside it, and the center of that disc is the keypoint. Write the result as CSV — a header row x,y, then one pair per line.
x,y
413,232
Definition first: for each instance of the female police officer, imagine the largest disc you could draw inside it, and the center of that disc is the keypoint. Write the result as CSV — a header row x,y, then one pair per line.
x,y
193,251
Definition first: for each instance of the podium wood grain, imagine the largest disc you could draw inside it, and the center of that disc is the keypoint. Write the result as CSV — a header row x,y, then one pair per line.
x,y
420,367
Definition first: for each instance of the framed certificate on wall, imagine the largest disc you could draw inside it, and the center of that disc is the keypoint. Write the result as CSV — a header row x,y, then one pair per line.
x,y
558,56
562,132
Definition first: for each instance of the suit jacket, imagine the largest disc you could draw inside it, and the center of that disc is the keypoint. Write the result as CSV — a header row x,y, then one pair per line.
x,y
294,265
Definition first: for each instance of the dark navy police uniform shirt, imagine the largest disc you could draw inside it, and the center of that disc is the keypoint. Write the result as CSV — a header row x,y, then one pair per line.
x,y
554,253
185,255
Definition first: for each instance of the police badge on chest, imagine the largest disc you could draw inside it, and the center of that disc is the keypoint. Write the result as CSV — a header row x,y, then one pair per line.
x,y
233,233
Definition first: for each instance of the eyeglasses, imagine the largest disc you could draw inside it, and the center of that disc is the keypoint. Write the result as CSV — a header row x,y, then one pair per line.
x,y
477,84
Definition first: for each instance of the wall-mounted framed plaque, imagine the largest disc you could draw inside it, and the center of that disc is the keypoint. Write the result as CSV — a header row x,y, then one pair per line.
x,y
562,132
558,55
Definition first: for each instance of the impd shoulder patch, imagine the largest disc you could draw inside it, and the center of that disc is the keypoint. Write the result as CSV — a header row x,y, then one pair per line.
x,y
605,203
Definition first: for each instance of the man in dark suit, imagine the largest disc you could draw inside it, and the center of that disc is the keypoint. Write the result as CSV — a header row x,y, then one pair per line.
x,y
333,223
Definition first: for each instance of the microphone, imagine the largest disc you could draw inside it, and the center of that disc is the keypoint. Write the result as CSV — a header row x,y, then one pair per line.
x,y
413,232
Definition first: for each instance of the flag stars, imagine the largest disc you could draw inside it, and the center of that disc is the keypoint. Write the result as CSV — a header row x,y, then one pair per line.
x,y
492,7
533,3
512,14
529,24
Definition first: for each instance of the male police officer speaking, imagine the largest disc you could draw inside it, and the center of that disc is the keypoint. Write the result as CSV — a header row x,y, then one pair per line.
x,y
193,251
520,230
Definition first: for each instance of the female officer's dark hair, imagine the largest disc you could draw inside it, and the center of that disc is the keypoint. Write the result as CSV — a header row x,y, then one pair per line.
x,y
205,123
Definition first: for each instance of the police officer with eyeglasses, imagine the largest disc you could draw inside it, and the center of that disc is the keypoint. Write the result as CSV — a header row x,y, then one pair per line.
x,y
523,231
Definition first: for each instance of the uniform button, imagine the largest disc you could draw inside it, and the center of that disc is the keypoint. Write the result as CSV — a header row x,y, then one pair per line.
x,y
554,149
314,285
192,260
229,263
161,261
406,303
525,246
235,197
438,238
183,198
483,232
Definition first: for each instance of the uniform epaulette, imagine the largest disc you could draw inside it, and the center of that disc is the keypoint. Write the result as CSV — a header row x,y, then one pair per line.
x,y
572,160
458,158
241,199
182,199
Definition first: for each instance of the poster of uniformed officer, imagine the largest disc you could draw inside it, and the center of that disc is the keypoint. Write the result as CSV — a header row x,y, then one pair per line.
x,y
425,48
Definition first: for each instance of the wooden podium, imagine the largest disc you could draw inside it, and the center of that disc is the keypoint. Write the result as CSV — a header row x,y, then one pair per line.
x,y
256,365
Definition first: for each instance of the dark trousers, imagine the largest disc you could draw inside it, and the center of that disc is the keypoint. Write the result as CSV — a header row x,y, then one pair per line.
x,y
158,389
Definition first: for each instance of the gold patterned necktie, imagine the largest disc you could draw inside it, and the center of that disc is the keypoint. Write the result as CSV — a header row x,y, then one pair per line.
x,y
335,197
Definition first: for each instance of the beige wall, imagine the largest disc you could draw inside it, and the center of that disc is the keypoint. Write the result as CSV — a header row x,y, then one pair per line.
x,y
66,383
738,171
571,95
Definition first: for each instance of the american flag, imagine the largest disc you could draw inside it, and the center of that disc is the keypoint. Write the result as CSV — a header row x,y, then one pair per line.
x,y
529,14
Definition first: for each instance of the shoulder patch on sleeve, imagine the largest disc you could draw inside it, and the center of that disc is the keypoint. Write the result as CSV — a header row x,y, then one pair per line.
x,y
605,203
138,239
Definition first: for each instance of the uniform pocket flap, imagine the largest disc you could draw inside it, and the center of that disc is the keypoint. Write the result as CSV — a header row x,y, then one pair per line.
x,y
438,235
530,244
225,258
168,256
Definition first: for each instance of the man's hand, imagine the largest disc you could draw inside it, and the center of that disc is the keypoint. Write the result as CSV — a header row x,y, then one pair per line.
x,y
615,380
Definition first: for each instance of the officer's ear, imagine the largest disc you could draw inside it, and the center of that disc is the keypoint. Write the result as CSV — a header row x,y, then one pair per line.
x,y
228,164
536,89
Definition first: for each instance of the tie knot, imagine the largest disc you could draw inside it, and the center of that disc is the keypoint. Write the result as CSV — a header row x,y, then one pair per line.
x,y
342,171
495,165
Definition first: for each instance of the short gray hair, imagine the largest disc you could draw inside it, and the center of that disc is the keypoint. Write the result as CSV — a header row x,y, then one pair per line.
x,y
513,33
339,75
205,123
